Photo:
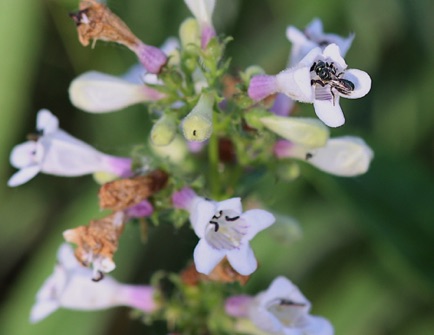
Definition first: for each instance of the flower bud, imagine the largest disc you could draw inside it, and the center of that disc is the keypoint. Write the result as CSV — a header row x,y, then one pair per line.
x,y
164,130
197,125
304,131
345,156
97,92
189,33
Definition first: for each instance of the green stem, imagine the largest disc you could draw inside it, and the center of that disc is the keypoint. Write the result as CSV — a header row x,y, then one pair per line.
x,y
213,156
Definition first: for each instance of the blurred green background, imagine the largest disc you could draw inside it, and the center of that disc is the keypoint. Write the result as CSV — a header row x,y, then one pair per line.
x,y
366,256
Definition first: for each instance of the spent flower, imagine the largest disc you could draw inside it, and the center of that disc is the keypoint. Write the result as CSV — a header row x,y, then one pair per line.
x,y
95,21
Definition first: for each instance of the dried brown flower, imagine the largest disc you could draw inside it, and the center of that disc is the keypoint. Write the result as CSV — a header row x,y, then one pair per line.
x,y
223,273
124,193
95,21
98,241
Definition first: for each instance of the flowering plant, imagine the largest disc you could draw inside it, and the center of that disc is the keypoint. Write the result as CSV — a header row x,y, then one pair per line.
x,y
213,130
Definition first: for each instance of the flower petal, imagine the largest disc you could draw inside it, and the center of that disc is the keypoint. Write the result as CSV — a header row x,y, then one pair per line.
x,y
243,260
343,156
206,258
23,154
67,156
295,83
283,288
361,81
201,215
330,113
233,204
24,175
66,258
316,325
333,52
46,122
314,29
201,9
41,309
257,220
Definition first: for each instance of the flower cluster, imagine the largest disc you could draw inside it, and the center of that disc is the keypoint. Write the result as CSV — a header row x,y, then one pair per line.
x,y
242,121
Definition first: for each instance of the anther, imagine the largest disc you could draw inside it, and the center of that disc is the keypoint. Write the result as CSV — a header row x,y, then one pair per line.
x,y
235,218
216,228
100,277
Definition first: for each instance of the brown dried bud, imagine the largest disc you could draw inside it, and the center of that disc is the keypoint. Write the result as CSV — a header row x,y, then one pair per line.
x,y
223,273
124,193
98,241
96,22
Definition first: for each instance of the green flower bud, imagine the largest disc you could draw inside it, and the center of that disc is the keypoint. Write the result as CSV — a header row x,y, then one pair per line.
x,y
197,125
304,131
163,132
189,33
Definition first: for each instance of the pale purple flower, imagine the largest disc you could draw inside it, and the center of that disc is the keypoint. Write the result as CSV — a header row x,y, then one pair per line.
x,y
283,309
55,152
313,36
303,42
71,287
345,156
202,11
224,230
303,83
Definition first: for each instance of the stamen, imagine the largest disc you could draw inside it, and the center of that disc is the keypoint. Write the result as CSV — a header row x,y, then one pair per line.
x,y
286,310
226,230
100,277
216,225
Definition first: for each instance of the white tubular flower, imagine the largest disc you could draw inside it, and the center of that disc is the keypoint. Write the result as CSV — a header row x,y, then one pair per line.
x,y
321,78
202,11
346,156
283,309
96,92
70,286
56,152
303,131
224,230
312,37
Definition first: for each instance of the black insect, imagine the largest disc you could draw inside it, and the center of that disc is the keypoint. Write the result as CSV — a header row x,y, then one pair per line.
x,y
328,75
